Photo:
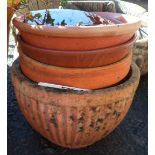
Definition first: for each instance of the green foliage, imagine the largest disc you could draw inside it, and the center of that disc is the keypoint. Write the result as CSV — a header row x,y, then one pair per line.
x,y
23,2
49,19
63,3
14,2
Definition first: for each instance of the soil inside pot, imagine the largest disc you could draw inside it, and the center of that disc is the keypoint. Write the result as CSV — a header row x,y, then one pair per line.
x,y
69,17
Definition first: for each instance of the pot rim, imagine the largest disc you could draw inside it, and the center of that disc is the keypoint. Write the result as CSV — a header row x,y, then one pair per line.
x,y
82,31
107,49
133,74
123,60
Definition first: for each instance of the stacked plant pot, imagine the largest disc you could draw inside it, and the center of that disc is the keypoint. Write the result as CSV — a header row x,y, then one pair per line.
x,y
95,59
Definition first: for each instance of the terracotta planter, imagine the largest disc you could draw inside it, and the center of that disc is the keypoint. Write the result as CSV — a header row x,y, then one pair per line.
x,y
87,78
70,118
79,37
78,59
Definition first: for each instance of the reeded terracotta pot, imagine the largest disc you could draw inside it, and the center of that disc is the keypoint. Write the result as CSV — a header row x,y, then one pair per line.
x,y
79,37
87,78
78,59
70,118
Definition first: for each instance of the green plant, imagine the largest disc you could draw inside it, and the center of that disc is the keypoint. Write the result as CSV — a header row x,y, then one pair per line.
x,y
63,3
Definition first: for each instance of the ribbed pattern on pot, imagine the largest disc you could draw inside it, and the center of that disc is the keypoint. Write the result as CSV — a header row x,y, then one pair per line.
x,y
71,118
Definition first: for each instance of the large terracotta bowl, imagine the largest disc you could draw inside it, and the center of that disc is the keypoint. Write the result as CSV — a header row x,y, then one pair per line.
x,y
70,118
78,38
86,78
78,59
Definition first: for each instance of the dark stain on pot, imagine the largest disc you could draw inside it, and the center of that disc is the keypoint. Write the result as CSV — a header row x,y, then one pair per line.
x,y
106,132
81,129
89,101
116,102
54,121
95,109
72,118
91,124
97,128
103,128
81,119
28,105
99,120
109,106
116,113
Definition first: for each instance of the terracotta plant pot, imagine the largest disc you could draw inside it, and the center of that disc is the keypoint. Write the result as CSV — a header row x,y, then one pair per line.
x,y
87,78
70,118
78,59
78,38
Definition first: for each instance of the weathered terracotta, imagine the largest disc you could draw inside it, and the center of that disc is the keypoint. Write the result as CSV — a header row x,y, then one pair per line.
x,y
140,55
70,118
79,37
78,59
87,78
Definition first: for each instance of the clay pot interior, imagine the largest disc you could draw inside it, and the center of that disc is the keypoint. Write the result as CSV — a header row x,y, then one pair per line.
x,y
78,37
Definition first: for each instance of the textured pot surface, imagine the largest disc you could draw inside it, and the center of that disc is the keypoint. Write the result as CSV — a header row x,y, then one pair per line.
x,y
87,78
79,37
140,55
78,59
72,118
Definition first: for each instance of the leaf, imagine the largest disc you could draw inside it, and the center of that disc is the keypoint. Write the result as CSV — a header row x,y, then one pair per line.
x,y
49,19
37,15
30,17
98,20
63,23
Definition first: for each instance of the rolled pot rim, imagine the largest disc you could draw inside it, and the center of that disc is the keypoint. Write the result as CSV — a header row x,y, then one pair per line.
x,y
132,76
81,31
123,60
107,49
